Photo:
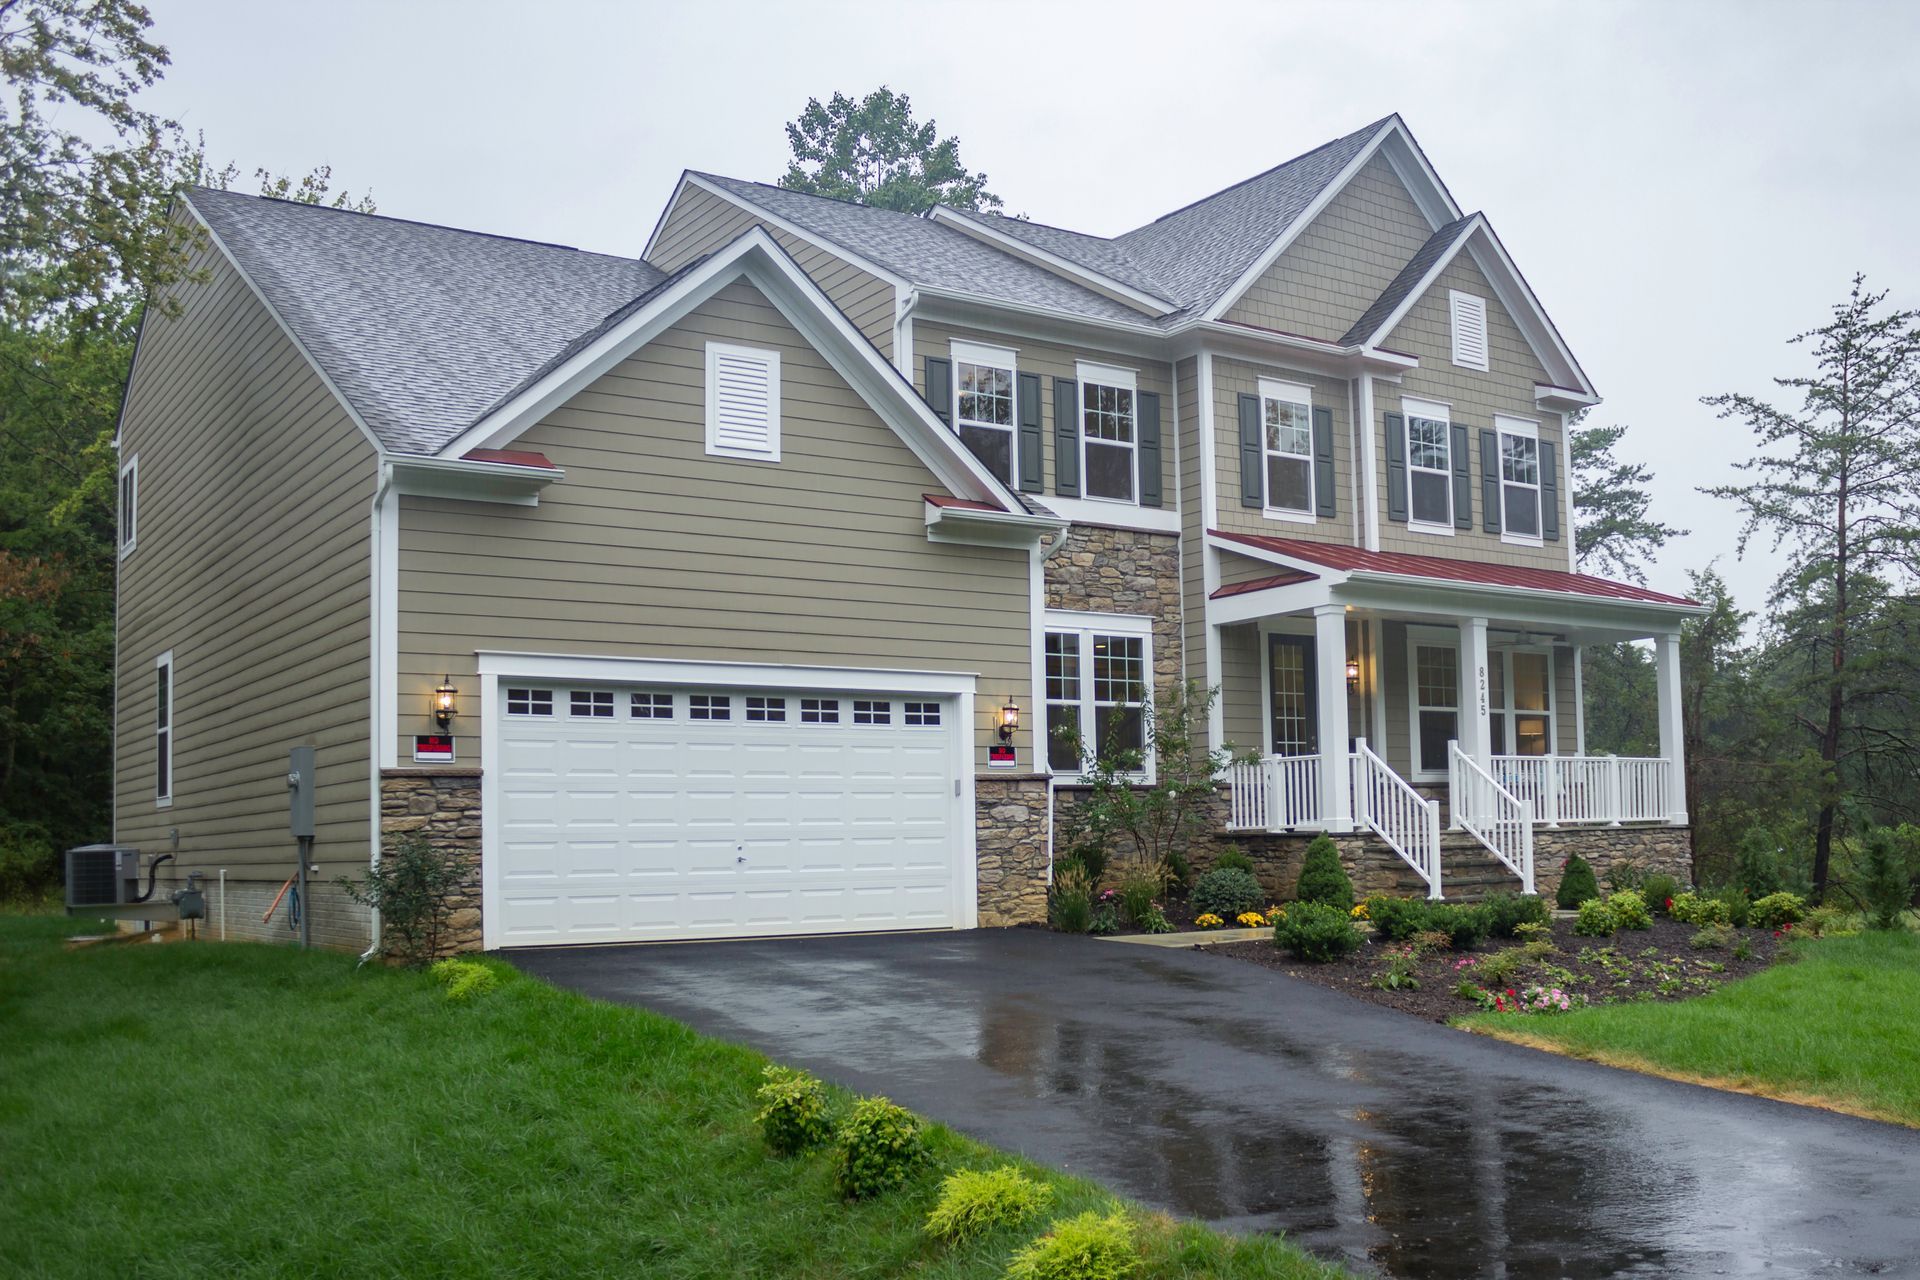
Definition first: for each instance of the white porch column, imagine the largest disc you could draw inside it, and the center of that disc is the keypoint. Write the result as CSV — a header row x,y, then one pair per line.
x,y
1673,738
1330,675
1476,733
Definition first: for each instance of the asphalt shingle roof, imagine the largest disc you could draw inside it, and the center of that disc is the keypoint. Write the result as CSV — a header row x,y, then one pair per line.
x,y
1409,278
423,328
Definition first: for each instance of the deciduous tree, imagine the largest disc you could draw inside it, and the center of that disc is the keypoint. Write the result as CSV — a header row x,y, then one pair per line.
x,y
873,152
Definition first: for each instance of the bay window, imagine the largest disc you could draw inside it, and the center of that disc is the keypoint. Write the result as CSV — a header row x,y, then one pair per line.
x,y
1429,463
1287,418
1097,685
1108,440
983,409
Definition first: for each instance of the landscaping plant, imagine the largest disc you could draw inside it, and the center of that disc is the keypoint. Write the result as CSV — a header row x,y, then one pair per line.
x,y
1777,910
1232,859
975,1201
881,1146
1886,882
1397,919
1711,938
412,888
1507,913
794,1114
1317,933
1692,908
1738,905
1630,910
1465,926
1322,878
1401,972
1138,892
1756,864
1089,1246
1596,919
1227,892
464,979
1070,903
1577,884
1660,890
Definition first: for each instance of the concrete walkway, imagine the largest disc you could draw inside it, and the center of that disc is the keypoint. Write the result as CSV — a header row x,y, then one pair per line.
x,y
1213,1088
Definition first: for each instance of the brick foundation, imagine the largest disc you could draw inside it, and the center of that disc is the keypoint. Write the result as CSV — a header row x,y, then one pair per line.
x,y
444,806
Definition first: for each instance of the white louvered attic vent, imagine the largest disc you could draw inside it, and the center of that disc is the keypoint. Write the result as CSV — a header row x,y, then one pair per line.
x,y
743,402
1469,329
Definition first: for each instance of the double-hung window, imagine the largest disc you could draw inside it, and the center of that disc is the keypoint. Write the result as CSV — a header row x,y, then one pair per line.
x,y
983,407
1287,414
1429,463
163,730
1519,479
1436,698
1097,685
1108,438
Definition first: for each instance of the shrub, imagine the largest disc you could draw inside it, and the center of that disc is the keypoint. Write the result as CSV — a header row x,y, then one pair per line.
x,y
1659,889
1500,968
1428,940
1738,905
1070,904
1087,1247
973,1202
1596,919
1091,855
1630,910
1712,937
1576,884
1821,921
1691,908
1397,919
1233,860
794,1115
1465,926
1532,933
1139,890
881,1146
1507,912
1777,909
30,867
464,979
1106,921
1227,892
1175,871
412,888
1625,875
1756,864
1316,932
1886,883
1322,878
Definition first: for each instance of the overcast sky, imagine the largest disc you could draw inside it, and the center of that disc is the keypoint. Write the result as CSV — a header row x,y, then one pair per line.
x,y
1685,185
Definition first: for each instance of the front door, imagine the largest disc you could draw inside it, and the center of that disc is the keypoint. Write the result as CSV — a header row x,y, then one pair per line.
x,y
1291,711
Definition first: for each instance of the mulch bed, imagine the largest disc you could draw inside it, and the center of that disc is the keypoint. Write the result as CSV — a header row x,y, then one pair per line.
x,y
1633,965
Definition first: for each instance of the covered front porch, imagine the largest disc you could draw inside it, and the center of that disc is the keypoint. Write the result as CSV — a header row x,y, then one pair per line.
x,y
1369,693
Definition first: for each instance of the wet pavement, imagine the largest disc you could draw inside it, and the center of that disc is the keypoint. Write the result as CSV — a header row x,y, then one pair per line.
x,y
1221,1091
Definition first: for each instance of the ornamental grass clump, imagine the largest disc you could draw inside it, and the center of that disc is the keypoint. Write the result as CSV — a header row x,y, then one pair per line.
x,y
1630,910
975,1201
1316,933
1070,902
1596,919
1090,1246
1777,910
464,979
881,1146
794,1114
1322,878
1227,892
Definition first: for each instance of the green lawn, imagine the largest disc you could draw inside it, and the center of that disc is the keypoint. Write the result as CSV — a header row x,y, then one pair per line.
x,y
198,1109
1838,1027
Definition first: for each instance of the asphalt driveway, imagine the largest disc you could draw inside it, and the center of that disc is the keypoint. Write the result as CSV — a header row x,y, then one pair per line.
x,y
1221,1091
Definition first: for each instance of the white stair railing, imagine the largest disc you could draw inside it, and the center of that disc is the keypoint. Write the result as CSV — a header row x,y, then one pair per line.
x,y
1491,814
1274,793
1405,820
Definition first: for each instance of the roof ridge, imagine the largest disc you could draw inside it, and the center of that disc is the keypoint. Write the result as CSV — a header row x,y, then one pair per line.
x,y
812,195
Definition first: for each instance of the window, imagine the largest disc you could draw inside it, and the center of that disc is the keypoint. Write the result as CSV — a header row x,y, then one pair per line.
x,y
1096,687
743,402
590,703
921,715
819,711
1519,478
529,702
163,730
1436,702
872,712
1521,715
1287,411
1293,714
651,706
1107,432
129,504
1429,463
709,706
983,409
770,710
1469,315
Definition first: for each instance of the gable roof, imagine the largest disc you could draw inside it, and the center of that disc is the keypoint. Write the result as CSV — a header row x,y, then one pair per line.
x,y
421,328
1372,324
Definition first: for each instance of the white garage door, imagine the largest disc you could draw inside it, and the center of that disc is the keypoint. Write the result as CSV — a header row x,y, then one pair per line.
x,y
631,813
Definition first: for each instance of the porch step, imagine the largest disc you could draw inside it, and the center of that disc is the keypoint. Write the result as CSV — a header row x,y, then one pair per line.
x,y
1468,873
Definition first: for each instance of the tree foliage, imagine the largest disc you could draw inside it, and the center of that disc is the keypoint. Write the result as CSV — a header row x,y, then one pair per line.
x,y
1613,534
873,152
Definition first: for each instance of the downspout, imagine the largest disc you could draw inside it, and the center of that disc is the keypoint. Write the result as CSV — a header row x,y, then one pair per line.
x,y
376,695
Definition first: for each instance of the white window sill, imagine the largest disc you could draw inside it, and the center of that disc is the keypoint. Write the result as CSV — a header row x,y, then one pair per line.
x,y
128,550
1291,517
1436,530
166,803
1522,540
1119,515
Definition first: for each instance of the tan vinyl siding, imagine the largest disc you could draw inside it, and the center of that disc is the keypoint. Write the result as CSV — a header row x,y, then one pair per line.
x,y
1394,659
701,222
1474,398
1566,707
1240,716
1233,378
252,566
1345,259
1050,361
650,548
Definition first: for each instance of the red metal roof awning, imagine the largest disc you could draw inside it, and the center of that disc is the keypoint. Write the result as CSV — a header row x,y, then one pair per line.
x,y
1261,584
509,458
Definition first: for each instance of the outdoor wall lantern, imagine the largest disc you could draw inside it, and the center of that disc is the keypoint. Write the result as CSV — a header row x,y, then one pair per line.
x,y
1009,720
444,709
1353,675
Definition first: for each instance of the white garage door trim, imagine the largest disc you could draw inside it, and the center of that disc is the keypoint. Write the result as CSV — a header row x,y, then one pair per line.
x,y
495,666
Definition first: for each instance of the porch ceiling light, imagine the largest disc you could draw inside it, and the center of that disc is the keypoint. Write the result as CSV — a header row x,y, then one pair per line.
x,y
1353,675
1009,720
444,709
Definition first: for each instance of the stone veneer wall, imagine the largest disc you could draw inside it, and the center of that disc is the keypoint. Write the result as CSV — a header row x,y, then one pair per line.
x,y
1668,849
1011,849
1123,571
443,805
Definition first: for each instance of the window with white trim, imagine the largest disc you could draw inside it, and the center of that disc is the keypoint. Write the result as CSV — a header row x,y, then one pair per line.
x,y
1469,316
1435,695
1519,479
163,730
591,704
650,706
920,715
1097,685
1286,411
983,405
529,702
743,402
766,710
870,712
1108,439
129,505
1429,463
819,711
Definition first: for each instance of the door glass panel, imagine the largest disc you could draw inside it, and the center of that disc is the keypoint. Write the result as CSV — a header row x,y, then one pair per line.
x,y
1529,735
1530,678
1497,724
1436,691
1290,678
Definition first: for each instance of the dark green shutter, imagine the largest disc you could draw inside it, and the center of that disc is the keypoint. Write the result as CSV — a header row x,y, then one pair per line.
x,y
1549,493
1325,499
1490,480
1252,453
1396,468
1066,437
940,388
1031,464
1462,480
1149,407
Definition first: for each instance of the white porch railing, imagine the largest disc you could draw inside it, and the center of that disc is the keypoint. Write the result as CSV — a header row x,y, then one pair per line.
x,y
1589,790
1407,821
1491,814
1274,793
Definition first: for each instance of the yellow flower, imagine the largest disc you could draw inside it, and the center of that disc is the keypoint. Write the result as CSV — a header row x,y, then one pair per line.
x,y
1360,912
1252,919
1208,920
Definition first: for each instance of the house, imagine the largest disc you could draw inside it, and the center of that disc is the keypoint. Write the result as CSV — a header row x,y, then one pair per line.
x,y
742,588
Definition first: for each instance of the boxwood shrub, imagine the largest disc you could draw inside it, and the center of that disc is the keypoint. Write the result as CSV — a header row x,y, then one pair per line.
x,y
1322,878
794,1113
1577,884
1316,932
881,1146
1226,892
1630,910
1506,912
1777,909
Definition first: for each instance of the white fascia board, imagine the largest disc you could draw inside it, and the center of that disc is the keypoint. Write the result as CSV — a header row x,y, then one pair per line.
x,y
513,665
1250,342
1517,296
995,307
474,481
666,211
1325,573
1562,609
1250,606
346,404
1427,281
1115,515
1410,165
988,528
823,242
1084,276
1562,399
